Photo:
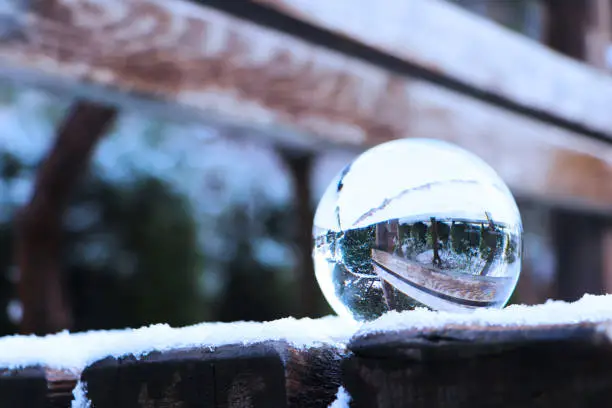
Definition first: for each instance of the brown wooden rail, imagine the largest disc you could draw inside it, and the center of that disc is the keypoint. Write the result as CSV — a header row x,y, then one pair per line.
x,y
458,366
303,74
562,365
539,118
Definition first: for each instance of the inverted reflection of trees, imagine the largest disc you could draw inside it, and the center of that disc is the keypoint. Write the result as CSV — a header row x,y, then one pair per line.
x,y
475,248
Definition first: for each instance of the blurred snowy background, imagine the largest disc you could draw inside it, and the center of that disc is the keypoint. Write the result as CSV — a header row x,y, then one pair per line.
x,y
175,222
179,223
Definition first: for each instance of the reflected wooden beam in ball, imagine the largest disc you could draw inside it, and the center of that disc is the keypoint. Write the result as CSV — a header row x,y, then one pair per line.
x,y
436,288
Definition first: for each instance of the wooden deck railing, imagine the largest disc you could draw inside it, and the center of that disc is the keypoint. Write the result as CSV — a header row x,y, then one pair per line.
x,y
554,355
309,76
306,75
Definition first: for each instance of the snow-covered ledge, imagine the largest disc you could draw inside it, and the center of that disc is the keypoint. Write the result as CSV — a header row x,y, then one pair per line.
x,y
552,355
590,309
73,352
517,355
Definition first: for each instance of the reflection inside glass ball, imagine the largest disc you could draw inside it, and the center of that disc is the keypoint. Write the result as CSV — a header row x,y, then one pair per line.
x,y
416,223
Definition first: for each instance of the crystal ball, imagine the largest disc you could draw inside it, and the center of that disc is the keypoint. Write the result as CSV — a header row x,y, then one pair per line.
x,y
416,223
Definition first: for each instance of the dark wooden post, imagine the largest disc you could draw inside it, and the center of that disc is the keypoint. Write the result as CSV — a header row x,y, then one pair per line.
x,y
382,241
300,168
481,367
578,239
39,223
566,26
434,240
36,387
267,374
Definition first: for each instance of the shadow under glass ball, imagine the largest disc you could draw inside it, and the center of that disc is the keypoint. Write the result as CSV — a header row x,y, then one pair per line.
x,y
390,236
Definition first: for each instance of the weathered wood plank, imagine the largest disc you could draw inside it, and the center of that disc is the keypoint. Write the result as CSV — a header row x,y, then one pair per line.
x,y
251,376
269,374
60,384
546,366
312,376
443,39
23,388
36,387
181,61
481,291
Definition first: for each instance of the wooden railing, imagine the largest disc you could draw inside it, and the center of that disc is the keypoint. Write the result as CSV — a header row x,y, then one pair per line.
x,y
307,75
554,355
315,74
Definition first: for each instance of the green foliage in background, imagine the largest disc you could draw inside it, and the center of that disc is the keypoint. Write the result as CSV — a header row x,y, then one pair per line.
x,y
132,257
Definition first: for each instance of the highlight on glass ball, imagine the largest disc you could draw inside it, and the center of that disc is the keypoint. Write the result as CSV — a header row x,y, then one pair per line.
x,y
416,223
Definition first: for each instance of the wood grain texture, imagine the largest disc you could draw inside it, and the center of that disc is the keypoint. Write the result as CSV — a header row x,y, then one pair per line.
x,y
181,61
36,387
463,287
23,388
547,366
60,384
443,38
269,374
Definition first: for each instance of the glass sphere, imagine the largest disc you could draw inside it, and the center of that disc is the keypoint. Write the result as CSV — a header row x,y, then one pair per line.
x,y
416,223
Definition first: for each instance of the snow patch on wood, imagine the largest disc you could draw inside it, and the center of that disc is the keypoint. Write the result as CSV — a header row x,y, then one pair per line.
x,y
80,396
75,351
589,309
342,400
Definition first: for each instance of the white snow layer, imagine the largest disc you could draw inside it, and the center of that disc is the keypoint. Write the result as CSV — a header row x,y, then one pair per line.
x,y
80,396
75,351
590,308
342,399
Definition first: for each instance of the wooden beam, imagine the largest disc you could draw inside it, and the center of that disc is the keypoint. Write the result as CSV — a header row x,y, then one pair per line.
x,y
498,366
566,31
441,38
267,374
299,166
578,241
34,387
182,61
25,387
599,34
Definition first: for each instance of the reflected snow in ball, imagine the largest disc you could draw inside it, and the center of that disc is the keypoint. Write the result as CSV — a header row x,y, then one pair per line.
x,y
416,223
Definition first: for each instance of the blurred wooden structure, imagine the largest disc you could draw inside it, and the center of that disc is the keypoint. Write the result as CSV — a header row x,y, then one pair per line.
x,y
309,76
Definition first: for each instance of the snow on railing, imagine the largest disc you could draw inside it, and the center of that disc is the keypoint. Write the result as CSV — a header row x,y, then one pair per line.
x,y
520,354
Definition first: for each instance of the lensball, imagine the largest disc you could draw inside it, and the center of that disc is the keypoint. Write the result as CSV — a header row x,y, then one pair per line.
x,y
416,223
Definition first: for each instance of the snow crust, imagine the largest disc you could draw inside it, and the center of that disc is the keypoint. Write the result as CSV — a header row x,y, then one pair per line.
x,y
589,308
75,351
